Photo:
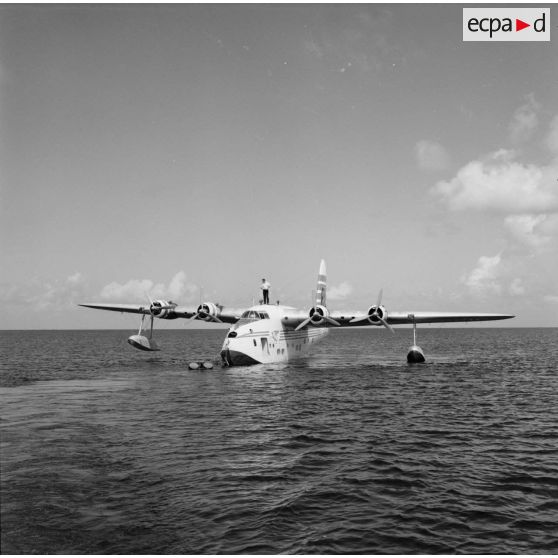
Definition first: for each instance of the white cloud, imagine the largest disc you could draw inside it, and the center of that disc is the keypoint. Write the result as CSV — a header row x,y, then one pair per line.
x,y
527,230
551,298
431,155
136,290
133,290
179,288
525,193
499,183
483,280
339,292
525,120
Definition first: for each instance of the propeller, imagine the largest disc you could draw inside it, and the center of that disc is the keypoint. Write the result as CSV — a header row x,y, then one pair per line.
x,y
322,318
376,316
204,312
156,306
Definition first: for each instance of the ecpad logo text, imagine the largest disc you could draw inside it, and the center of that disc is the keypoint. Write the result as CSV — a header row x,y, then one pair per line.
x,y
506,24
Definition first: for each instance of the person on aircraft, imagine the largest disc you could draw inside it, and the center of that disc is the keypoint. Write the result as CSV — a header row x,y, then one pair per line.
x,y
265,290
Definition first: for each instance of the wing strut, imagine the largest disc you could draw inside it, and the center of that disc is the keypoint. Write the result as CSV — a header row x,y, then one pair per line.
x,y
141,342
415,354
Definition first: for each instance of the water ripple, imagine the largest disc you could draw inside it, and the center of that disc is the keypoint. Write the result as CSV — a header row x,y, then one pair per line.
x,y
107,450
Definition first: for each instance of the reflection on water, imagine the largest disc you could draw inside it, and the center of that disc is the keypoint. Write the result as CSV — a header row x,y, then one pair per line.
x,y
108,450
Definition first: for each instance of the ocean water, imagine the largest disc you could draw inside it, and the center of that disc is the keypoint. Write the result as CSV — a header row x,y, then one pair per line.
x,y
105,449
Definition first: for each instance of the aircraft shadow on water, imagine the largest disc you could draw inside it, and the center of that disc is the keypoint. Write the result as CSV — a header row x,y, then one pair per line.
x,y
269,333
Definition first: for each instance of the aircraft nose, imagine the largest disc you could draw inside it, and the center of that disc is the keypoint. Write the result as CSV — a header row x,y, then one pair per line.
x,y
236,358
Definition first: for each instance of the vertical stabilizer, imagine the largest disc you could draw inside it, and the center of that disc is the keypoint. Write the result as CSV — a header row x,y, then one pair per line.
x,y
322,285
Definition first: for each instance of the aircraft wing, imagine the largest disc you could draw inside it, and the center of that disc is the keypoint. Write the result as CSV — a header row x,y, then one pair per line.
x,y
217,313
401,318
396,318
211,311
359,319
130,308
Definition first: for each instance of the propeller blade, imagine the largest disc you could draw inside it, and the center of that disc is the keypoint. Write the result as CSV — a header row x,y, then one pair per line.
x,y
331,321
212,318
379,298
356,320
303,324
385,324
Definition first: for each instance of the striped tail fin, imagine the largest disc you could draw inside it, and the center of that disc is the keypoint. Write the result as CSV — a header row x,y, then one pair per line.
x,y
322,285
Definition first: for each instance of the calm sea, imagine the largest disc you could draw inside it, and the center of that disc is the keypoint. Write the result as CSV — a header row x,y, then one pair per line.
x,y
105,449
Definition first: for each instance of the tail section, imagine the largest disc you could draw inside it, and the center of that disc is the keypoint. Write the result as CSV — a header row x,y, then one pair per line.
x,y
322,285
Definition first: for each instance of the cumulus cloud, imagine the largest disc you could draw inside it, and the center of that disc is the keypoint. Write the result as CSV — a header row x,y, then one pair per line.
x,y
529,230
500,183
525,120
525,193
431,155
483,280
178,289
339,292
133,289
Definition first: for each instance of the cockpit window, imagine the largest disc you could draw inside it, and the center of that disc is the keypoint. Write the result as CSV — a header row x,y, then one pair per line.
x,y
250,314
253,315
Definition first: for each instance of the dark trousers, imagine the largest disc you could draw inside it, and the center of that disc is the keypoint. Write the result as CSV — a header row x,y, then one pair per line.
x,y
266,296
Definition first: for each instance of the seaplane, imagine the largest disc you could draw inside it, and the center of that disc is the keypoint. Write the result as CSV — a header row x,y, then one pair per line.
x,y
274,333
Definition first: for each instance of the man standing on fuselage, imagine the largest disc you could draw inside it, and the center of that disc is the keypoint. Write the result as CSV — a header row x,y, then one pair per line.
x,y
265,291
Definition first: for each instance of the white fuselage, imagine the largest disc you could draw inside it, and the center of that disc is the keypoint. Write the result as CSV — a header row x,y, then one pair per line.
x,y
261,337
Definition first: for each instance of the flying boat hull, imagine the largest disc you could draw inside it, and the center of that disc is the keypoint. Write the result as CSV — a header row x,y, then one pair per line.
x,y
267,341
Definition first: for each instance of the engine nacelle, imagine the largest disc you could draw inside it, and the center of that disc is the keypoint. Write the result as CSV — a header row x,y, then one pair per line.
x,y
163,309
375,312
207,311
318,314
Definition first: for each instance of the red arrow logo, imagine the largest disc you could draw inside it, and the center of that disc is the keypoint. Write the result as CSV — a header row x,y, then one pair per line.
x,y
519,25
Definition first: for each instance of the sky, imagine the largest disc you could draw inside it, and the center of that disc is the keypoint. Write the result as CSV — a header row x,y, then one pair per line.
x,y
188,151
